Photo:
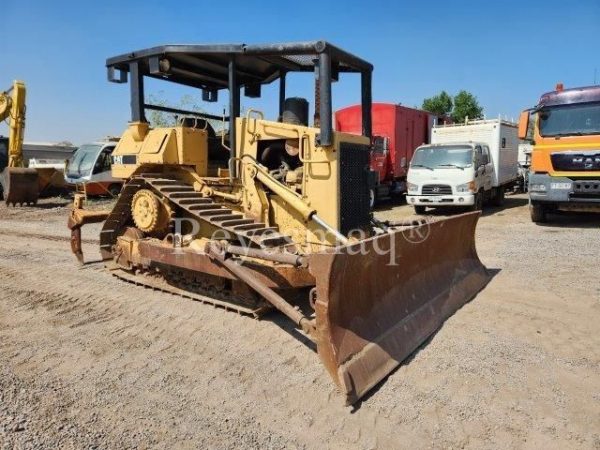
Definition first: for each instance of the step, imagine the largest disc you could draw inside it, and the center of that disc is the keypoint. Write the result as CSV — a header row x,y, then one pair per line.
x,y
165,182
250,226
194,201
211,212
176,189
205,207
274,241
185,195
235,223
261,231
227,216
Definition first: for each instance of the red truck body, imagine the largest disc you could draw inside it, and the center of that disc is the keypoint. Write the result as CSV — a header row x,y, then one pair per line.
x,y
405,129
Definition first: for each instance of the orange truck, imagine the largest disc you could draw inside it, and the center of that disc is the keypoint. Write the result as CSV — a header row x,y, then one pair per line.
x,y
564,128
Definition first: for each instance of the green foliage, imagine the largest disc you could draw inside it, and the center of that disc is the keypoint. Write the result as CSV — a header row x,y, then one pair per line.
x,y
440,104
466,105
159,119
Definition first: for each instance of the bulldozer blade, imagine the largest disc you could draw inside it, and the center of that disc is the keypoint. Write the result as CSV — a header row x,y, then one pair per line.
x,y
379,299
20,186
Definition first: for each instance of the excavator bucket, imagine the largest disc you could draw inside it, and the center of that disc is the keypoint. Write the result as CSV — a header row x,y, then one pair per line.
x,y
378,300
20,185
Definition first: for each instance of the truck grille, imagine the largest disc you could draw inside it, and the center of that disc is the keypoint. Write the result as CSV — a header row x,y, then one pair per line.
x,y
576,161
436,189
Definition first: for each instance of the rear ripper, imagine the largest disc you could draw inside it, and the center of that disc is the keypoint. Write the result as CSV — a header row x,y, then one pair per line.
x,y
565,163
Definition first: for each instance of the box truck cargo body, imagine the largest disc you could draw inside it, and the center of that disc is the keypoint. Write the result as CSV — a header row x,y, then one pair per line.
x,y
397,132
465,165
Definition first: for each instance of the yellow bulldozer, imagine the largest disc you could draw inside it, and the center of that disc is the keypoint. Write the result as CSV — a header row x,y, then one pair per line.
x,y
266,214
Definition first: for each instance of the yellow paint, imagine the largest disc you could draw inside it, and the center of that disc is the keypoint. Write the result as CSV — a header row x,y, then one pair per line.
x,y
545,146
288,206
12,108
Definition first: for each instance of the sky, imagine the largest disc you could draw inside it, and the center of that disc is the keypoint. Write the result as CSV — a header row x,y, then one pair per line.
x,y
507,53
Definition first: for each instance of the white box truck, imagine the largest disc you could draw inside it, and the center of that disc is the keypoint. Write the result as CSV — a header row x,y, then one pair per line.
x,y
465,165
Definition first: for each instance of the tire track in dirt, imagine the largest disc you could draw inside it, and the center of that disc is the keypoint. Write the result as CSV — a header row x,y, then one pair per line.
x,y
49,237
166,328
124,366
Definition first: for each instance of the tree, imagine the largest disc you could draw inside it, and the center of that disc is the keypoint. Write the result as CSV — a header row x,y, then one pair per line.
x,y
440,104
466,105
160,119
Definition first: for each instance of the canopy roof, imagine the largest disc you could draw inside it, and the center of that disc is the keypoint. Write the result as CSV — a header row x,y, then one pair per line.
x,y
207,66
232,66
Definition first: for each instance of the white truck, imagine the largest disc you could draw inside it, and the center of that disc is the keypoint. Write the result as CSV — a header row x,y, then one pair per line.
x,y
465,165
89,169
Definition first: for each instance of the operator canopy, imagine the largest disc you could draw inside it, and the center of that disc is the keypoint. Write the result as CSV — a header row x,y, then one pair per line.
x,y
207,66
231,66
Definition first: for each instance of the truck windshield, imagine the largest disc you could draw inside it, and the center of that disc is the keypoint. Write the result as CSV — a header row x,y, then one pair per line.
x,y
570,120
446,156
82,161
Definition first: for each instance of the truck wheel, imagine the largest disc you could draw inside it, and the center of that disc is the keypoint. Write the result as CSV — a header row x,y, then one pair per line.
x,y
114,189
478,204
498,198
538,213
419,209
372,198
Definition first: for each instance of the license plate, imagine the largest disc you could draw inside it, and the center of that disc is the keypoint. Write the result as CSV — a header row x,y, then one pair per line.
x,y
437,199
560,185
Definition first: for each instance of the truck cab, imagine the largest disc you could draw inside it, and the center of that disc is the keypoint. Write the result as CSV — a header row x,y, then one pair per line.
x,y
467,164
565,160
453,174
90,166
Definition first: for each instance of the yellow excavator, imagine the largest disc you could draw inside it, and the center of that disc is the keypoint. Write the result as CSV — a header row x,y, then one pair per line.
x,y
265,214
20,185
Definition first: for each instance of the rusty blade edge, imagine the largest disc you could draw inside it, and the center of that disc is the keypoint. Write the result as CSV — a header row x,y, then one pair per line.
x,y
372,364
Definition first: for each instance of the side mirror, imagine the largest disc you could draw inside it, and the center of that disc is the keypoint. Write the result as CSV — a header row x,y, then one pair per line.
x,y
380,144
523,125
386,145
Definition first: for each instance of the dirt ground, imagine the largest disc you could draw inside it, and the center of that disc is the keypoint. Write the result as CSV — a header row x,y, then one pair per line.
x,y
88,361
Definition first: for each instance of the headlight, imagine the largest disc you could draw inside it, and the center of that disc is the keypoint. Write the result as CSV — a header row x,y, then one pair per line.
x,y
467,187
412,187
537,187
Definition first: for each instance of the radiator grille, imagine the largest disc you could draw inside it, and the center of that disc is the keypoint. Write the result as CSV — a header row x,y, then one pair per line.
x,y
574,161
354,187
436,189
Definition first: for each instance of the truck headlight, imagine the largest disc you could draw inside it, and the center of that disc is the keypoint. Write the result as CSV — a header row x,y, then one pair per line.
x,y
537,187
412,187
467,187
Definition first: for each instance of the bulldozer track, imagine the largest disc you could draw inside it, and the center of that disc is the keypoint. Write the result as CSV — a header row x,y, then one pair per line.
x,y
159,283
184,198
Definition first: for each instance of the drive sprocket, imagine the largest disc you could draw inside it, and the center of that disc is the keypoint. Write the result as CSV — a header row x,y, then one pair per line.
x,y
150,214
